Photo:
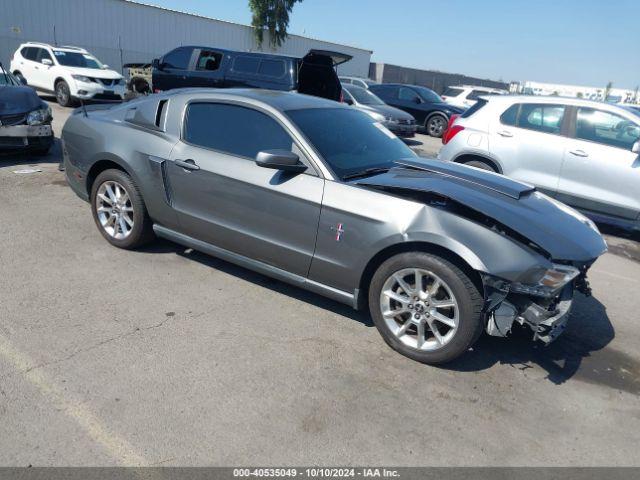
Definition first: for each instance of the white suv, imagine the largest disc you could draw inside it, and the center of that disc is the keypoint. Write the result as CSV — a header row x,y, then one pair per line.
x,y
466,96
71,73
584,153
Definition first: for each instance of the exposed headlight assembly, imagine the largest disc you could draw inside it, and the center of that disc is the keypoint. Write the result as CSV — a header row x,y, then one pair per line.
x,y
82,78
39,117
550,283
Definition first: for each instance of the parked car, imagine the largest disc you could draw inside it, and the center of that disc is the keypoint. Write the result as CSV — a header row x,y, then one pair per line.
x,y
71,73
25,120
358,81
318,194
396,120
581,152
465,96
314,74
429,110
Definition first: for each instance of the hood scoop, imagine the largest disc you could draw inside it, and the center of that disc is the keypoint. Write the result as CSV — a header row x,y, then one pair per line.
x,y
477,177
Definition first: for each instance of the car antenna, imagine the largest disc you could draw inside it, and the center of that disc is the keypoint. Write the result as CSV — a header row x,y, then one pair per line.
x,y
84,109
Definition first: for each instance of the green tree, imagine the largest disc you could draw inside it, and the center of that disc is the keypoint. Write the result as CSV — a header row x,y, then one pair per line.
x,y
272,16
579,95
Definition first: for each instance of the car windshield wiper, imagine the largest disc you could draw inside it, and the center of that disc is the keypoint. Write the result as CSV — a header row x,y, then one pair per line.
x,y
366,172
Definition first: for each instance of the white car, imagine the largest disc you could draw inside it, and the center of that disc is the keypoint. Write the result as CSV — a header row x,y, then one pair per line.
x,y
71,73
357,81
466,96
583,153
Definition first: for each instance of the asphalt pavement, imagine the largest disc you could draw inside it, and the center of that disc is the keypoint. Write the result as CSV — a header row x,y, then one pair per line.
x,y
166,356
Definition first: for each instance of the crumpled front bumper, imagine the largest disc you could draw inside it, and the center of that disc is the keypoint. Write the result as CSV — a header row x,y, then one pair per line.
x,y
546,317
24,136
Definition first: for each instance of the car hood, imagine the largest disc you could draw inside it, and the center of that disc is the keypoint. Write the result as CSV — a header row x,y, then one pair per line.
x,y
554,227
95,73
16,100
387,111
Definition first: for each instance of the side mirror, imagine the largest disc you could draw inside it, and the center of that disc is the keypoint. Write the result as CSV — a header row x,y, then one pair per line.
x,y
105,66
348,101
417,100
47,62
280,160
636,147
155,63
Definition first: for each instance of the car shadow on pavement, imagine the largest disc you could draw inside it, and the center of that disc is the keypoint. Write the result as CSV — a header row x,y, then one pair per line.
x,y
27,158
581,352
164,246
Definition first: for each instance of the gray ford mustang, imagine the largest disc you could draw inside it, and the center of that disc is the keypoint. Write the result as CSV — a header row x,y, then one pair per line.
x,y
317,194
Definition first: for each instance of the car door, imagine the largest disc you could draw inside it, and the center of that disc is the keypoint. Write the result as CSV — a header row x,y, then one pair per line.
x,y
41,71
208,69
600,172
528,141
224,198
27,64
173,69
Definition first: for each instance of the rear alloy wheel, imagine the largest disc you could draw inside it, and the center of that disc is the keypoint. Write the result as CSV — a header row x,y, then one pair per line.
x,y
63,94
425,307
119,211
436,126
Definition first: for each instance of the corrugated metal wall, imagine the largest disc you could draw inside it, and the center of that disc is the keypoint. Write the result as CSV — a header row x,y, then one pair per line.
x,y
119,31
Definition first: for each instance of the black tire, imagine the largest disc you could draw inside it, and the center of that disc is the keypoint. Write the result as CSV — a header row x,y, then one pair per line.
x,y
481,165
20,78
469,299
142,230
63,94
436,125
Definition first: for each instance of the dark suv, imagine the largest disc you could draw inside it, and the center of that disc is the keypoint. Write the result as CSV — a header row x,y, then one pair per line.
x,y
314,74
426,106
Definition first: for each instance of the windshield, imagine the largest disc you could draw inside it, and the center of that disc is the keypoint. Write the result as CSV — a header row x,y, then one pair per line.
x,y
364,96
76,59
427,95
350,141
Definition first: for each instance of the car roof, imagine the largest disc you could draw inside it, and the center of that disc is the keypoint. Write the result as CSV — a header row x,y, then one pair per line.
x,y
240,52
277,99
578,102
66,48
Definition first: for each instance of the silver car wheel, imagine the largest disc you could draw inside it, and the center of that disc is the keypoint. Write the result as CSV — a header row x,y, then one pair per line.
x,y
419,308
114,210
436,126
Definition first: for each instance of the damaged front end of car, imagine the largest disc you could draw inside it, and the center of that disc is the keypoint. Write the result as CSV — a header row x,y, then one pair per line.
x,y
559,244
544,307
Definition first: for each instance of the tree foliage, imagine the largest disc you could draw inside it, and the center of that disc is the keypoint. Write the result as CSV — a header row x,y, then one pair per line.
x,y
272,16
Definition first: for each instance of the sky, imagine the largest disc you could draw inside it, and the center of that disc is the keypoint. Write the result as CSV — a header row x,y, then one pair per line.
x,y
581,42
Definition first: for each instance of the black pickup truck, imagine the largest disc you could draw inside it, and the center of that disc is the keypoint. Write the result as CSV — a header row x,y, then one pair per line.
x,y
192,66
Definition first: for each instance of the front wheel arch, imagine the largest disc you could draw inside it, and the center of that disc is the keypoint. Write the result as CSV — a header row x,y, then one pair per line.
x,y
388,252
100,166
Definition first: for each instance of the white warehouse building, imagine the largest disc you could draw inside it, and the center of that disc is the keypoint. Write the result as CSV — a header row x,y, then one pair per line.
x,y
123,31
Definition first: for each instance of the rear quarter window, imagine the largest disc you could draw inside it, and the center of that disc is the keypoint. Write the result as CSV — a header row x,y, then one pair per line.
x,y
510,115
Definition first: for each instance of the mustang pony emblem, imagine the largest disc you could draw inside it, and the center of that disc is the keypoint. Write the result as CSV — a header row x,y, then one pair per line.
x,y
339,231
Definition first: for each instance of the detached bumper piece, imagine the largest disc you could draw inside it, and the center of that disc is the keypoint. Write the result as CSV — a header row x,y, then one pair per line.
x,y
547,317
549,322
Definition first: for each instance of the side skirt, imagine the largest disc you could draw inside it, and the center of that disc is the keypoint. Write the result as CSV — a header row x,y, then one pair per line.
x,y
260,267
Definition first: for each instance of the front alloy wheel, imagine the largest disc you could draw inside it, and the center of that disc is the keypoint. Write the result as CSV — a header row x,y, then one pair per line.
x,y
419,308
425,306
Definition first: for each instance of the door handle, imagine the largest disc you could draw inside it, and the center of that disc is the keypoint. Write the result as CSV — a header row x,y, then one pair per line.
x,y
579,153
505,133
187,164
